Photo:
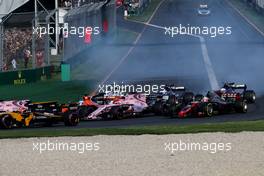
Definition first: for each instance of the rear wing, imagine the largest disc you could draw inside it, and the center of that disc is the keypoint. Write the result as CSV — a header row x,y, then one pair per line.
x,y
42,105
203,6
235,86
175,88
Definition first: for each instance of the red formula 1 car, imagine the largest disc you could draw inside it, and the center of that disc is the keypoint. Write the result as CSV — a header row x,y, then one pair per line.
x,y
200,108
214,104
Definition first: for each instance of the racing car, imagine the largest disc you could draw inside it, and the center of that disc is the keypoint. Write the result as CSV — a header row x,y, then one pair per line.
x,y
203,10
232,90
129,105
171,100
213,104
13,105
89,104
25,114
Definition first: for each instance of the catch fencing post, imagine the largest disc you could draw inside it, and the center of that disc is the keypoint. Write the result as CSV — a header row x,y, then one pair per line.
x,y
33,47
1,44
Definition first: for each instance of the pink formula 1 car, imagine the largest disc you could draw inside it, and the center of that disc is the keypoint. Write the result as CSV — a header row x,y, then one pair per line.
x,y
121,107
14,105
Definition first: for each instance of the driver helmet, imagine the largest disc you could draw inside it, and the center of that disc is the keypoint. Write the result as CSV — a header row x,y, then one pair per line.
x,y
222,90
205,99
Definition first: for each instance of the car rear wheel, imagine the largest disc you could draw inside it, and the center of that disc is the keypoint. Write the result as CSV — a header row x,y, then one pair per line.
x,y
208,110
157,108
84,111
250,96
241,107
71,119
188,97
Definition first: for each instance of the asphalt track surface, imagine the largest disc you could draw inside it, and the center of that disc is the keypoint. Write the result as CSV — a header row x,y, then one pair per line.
x,y
237,57
158,58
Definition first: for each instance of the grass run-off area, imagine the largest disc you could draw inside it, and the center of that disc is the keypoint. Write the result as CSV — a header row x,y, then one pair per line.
x,y
157,130
53,90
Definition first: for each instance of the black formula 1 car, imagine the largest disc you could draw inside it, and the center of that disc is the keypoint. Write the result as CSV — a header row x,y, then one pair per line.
x,y
171,100
52,112
232,90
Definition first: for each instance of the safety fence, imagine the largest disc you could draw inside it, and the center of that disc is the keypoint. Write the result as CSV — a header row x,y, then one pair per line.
x,y
78,3
87,26
20,46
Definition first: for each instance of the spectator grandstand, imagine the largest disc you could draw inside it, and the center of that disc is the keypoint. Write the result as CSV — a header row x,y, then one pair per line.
x,y
16,41
19,44
65,3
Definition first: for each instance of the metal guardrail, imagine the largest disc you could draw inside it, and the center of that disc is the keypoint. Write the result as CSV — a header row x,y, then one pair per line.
x,y
100,15
78,3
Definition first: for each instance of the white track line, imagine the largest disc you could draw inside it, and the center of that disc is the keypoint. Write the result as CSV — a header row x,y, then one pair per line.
x,y
207,61
130,49
243,16
208,65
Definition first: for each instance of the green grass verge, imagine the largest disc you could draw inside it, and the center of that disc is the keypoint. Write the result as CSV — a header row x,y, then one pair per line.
x,y
158,130
52,90
250,13
144,17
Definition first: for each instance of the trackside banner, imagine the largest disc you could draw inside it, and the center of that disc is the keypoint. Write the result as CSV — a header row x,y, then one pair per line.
x,y
25,76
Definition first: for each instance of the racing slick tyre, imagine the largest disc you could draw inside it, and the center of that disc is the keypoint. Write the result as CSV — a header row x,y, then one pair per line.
x,y
250,96
188,97
198,97
71,119
118,114
114,114
6,121
166,110
208,110
241,107
108,116
157,108
49,123
84,111
169,108
173,111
